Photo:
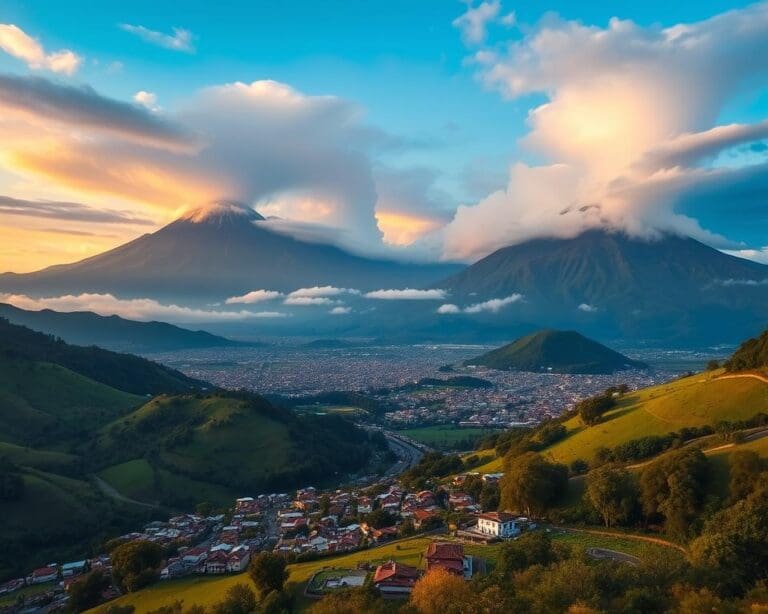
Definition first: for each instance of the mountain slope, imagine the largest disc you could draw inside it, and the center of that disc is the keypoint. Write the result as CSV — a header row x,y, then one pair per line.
x,y
220,251
121,371
611,285
558,352
113,332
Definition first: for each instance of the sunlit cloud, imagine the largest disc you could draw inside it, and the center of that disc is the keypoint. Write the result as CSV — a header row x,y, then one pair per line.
x,y
493,305
255,296
340,311
321,291
180,40
408,294
17,43
305,301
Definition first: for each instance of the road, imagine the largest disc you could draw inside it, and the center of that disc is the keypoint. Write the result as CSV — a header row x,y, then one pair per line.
x,y
613,555
407,453
110,491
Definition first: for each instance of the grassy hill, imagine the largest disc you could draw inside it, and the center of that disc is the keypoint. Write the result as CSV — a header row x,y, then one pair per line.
x,y
698,400
558,352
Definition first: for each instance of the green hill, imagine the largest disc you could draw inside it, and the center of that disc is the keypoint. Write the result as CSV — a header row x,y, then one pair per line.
x,y
751,355
121,371
556,351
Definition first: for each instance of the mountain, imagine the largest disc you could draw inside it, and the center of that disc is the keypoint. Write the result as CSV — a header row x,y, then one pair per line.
x,y
610,285
114,332
556,351
124,372
222,250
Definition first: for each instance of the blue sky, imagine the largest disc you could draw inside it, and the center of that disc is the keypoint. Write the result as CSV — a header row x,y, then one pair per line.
x,y
405,67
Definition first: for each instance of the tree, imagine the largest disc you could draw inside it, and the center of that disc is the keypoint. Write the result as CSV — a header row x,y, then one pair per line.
x,y
268,572
591,410
86,592
351,601
239,599
407,528
745,469
441,592
530,549
134,564
380,518
673,487
713,365
531,484
490,497
612,493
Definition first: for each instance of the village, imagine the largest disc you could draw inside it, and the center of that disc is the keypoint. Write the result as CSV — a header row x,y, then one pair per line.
x,y
306,526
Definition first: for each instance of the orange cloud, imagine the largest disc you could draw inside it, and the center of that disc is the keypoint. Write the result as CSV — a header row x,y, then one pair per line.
x,y
404,229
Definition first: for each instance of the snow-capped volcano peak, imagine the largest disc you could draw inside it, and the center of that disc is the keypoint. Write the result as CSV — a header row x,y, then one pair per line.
x,y
221,212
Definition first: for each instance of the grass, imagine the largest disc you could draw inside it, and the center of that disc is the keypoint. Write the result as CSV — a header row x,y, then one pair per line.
x,y
46,460
446,436
580,542
134,479
698,400
27,591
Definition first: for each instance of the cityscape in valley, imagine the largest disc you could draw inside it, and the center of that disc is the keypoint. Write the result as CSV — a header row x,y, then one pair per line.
x,y
453,307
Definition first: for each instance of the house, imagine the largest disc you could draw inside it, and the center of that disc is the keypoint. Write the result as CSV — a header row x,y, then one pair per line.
x,y
421,516
394,578
44,574
238,559
364,505
73,569
384,534
216,563
194,556
173,569
450,557
498,524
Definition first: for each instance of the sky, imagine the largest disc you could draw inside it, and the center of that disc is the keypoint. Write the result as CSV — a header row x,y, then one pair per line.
x,y
432,130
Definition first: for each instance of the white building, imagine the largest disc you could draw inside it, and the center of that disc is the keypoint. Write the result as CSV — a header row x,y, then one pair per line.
x,y
498,524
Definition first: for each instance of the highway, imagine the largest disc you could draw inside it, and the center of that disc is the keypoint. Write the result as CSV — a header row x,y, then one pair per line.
x,y
408,453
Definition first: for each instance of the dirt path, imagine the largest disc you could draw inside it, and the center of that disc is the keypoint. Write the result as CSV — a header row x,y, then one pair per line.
x,y
756,376
643,538
110,491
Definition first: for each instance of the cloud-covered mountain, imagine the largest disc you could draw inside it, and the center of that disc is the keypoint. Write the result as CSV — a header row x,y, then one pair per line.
x,y
217,252
673,287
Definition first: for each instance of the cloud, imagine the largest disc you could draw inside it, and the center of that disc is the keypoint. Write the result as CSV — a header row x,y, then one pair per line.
x,y
340,311
758,255
180,40
14,41
146,99
143,309
39,100
305,301
66,211
255,296
474,22
408,294
627,135
321,291
493,305
587,308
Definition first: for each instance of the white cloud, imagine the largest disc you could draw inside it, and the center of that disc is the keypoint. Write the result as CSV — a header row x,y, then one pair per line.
x,y
255,296
448,308
494,305
306,301
741,282
340,311
146,99
180,40
409,294
474,22
322,291
758,255
134,309
587,308
627,135
14,41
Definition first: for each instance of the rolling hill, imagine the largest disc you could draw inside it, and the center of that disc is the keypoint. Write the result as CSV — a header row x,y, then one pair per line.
x,y
113,332
556,352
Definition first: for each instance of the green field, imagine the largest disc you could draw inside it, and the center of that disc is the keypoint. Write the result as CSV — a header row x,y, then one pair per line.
x,y
698,400
46,460
447,436
646,551
27,591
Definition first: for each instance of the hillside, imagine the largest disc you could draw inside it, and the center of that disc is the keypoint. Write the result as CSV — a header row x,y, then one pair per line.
x,y
124,372
557,352
231,443
750,355
113,332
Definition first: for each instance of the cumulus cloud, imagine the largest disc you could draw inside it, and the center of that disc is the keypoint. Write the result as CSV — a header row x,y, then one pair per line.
x,y
14,41
146,99
493,305
321,291
628,131
180,40
474,22
143,309
67,211
305,301
255,296
340,311
408,294
587,308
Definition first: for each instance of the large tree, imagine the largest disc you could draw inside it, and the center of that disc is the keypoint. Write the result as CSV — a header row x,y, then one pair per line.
x,y
134,564
612,492
531,484
268,572
441,592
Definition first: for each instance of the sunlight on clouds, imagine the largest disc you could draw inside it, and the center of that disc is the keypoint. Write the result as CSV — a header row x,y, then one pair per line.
x,y
403,229
14,41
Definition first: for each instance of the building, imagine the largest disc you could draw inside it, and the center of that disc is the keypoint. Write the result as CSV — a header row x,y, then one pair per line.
x,y
44,574
394,578
450,557
217,562
238,559
498,524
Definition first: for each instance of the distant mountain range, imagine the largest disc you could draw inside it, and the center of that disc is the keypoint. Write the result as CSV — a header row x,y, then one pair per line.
x,y
114,332
219,251
608,284
556,351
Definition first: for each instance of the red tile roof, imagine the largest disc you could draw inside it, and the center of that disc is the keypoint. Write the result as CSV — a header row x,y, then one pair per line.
x,y
393,573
